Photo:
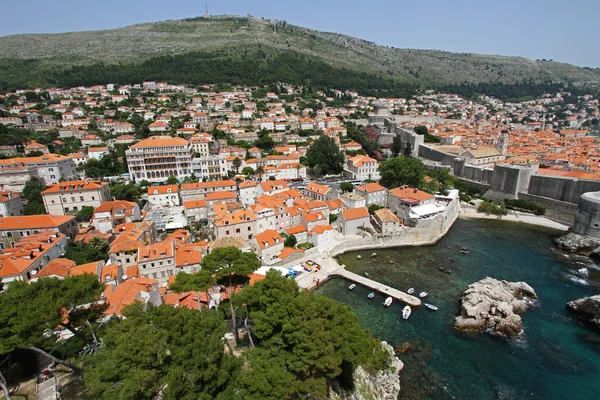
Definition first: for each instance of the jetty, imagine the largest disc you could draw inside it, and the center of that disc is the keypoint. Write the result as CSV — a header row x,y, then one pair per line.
x,y
379,287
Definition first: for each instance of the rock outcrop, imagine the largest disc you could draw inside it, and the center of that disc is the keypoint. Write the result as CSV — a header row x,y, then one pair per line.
x,y
575,243
589,307
493,305
385,385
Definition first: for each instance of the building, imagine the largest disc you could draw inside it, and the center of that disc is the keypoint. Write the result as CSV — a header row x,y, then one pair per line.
x,y
483,156
142,290
321,236
199,190
248,192
201,143
195,211
29,255
210,167
164,196
11,204
385,221
361,168
373,193
50,167
71,196
352,200
14,178
112,213
404,201
13,229
157,261
272,187
239,223
157,158
268,245
351,221
320,192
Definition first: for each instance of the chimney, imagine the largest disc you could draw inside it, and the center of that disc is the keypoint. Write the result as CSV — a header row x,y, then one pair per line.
x,y
86,181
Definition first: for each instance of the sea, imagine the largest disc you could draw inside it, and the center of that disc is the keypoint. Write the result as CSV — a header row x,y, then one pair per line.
x,y
557,357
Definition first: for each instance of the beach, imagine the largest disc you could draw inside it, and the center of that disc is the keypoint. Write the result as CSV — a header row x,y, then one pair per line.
x,y
470,212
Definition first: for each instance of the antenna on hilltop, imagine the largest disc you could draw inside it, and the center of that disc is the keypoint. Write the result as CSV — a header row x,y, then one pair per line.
x,y
206,13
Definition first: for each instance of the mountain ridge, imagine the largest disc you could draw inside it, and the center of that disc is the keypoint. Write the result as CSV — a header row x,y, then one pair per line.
x,y
234,37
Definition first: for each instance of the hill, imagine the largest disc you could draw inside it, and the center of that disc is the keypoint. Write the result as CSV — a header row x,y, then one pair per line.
x,y
62,59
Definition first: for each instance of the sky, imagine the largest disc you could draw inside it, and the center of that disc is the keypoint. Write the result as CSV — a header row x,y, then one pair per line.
x,y
565,31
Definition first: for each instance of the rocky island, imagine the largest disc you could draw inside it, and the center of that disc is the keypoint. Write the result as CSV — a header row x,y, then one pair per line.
x,y
491,304
588,307
576,243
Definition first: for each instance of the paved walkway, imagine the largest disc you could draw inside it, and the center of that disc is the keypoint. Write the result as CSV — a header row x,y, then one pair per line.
x,y
469,211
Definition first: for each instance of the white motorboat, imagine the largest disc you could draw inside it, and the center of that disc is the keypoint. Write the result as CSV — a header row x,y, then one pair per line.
x,y
422,294
410,291
431,306
388,302
352,286
406,312
371,295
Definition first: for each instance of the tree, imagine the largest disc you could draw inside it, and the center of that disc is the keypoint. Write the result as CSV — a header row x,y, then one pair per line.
x,y
83,253
163,352
374,207
190,179
247,171
231,267
32,193
126,191
303,342
346,187
265,142
421,130
172,180
85,214
144,183
400,171
407,150
291,241
397,146
325,156
236,163
29,311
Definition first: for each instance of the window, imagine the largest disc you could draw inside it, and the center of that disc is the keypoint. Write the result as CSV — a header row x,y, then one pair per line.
x,y
9,234
93,198
72,199
80,198
227,232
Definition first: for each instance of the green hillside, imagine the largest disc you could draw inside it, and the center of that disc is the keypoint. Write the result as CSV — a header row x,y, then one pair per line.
x,y
69,58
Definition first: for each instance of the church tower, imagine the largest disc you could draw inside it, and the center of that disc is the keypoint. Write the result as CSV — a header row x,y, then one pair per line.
x,y
502,142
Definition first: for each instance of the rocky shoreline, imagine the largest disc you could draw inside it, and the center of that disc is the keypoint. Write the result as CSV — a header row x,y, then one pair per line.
x,y
493,305
589,308
384,385
578,244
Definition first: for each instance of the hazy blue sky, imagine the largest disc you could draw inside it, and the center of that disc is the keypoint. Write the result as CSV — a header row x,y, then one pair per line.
x,y
553,29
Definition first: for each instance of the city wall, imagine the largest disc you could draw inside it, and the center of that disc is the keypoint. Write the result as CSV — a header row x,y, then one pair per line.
x,y
556,210
427,232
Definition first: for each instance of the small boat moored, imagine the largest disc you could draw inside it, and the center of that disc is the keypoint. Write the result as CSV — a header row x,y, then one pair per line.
x,y
406,312
422,294
352,286
464,250
410,291
371,295
388,302
431,306
444,270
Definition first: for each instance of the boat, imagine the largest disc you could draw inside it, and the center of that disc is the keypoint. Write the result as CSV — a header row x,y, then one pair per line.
x,y
388,302
464,250
410,291
444,270
406,312
371,295
422,294
431,306
352,286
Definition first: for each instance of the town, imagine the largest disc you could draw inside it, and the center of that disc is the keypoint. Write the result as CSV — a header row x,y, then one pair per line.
x,y
139,185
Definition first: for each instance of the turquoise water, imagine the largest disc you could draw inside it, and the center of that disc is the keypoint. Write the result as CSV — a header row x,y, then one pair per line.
x,y
557,357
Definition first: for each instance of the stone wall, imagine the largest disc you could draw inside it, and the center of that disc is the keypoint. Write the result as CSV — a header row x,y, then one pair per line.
x,y
436,155
555,209
561,188
588,218
427,232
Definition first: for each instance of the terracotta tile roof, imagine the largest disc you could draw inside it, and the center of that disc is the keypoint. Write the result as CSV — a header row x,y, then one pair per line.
x,y
268,238
235,217
361,160
126,207
320,229
194,204
410,193
155,251
334,204
317,188
221,195
208,185
70,186
153,190
187,254
288,251
127,293
247,184
34,221
296,229
370,187
160,141
314,216
355,213
56,267
278,184
90,268
386,215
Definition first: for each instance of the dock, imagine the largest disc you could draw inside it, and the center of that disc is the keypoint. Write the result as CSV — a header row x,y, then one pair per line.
x,y
379,287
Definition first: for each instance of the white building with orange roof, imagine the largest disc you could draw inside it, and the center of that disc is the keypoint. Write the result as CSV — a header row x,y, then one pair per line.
x,y
248,192
272,187
385,221
361,168
199,190
50,167
240,224
11,204
410,203
352,221
29,255
112,213
195,210
157,158
373,193
142,290
268,245
322,237
164,196
71,196
320,192
201,143
211,167
157,261
216,198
